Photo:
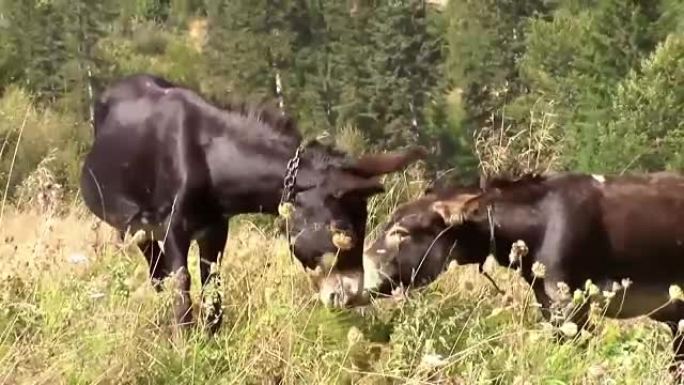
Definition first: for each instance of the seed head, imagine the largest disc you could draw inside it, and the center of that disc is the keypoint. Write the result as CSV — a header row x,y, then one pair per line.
x,y
616,287
433,360
563,289
342,241
626,282
518,251
676,293
569,329
286,209
591,289
538,270
578,297
354,335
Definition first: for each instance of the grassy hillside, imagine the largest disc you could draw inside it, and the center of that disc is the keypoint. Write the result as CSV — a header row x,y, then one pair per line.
x,y
76,308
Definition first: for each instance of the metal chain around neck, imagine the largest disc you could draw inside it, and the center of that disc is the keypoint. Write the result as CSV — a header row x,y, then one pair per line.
x,y
492,249
290,180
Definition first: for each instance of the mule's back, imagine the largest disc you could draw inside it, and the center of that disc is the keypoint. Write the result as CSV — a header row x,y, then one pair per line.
x,y
128,88
644,220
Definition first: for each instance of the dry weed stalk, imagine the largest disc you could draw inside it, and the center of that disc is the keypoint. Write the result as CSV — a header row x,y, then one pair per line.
x,y
509,151
40,190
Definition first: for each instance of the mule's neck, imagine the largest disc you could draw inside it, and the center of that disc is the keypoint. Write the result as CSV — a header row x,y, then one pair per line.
x,y
496,234
253,182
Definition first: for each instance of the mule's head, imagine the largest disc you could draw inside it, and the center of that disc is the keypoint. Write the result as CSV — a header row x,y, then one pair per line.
x,y
328,224
415,244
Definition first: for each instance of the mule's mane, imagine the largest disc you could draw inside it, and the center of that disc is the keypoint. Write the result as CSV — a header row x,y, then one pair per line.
x,y
525,188
321,155
527,179
264,112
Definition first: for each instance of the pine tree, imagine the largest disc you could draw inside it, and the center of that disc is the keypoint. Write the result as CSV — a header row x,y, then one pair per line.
x,y
486,42
578,58
646,129
250,50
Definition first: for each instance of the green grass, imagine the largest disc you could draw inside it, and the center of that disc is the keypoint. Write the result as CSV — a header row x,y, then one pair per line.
x,y
99,322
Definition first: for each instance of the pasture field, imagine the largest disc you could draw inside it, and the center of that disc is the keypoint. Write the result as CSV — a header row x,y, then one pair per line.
x,y
76,308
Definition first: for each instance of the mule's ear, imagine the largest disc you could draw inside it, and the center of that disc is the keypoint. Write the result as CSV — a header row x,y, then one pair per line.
x,y
380,164
350,184
458,209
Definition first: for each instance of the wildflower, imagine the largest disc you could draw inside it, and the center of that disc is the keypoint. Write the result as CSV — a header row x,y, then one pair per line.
x,y
569,329
538,270
563,289
676,293
398,293
626,282
616,287
286,210
430,357
342,241
354,335
78,258
433,360
518,251
592,289
608,294
578,297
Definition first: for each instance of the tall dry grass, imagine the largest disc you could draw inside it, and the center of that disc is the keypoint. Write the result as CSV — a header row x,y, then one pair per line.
x,y
76,308
509,150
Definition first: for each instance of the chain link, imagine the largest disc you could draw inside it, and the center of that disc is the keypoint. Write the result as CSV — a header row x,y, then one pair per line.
x,y
290,179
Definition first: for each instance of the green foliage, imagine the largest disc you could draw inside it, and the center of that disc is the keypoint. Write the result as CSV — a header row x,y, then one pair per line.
x,y
453,78
502,86
576,60
646,132
30,133
97,319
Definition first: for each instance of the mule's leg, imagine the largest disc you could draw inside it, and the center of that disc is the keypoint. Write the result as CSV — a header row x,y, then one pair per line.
x,y
156,262
211,246
155,259
543,299
176,247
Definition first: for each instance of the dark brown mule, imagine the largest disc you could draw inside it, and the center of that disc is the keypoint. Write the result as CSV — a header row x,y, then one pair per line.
x,y
624,233
170,164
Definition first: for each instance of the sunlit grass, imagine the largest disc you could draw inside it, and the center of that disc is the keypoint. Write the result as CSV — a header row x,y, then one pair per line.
x,y
76,308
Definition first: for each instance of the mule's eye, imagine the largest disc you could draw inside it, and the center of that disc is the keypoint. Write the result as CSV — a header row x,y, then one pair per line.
x,y
396,236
